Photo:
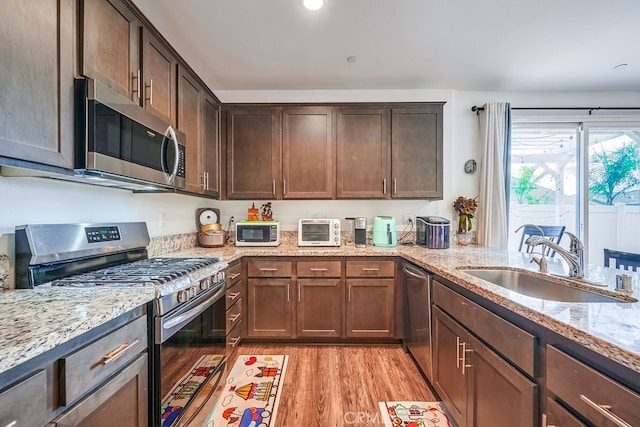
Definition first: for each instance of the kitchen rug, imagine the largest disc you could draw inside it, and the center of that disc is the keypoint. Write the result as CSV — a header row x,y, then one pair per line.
x,y
415,414
192,384
251,394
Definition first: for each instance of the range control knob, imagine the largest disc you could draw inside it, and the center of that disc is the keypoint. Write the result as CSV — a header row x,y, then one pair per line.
x,y
205,283
183,295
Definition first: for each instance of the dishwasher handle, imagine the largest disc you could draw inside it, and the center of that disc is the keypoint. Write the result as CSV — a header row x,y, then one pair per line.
x,y
416,272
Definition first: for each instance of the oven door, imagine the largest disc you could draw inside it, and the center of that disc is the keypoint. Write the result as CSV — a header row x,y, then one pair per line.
x,y
190,337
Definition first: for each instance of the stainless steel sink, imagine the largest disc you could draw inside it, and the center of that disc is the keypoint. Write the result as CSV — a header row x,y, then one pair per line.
x,y
537,286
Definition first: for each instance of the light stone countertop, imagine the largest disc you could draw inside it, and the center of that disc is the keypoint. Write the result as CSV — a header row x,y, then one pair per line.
x,y
34,321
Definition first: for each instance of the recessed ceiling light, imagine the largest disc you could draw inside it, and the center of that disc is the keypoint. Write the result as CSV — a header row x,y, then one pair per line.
x,y
352,59
313,4
620,66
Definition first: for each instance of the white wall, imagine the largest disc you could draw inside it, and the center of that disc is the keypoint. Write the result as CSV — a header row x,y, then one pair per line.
x,y
37,200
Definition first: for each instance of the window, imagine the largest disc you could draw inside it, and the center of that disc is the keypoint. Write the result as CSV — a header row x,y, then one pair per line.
x,y
585,176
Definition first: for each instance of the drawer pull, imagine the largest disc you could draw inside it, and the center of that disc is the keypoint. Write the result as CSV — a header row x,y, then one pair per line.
x,y
234,341
233,276
117,352
233,295
457,352
318,269
370,269
464,357
604,410
234,318
269,269
12,424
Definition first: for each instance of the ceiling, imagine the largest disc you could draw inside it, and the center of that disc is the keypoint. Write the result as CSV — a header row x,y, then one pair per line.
x,y
488,45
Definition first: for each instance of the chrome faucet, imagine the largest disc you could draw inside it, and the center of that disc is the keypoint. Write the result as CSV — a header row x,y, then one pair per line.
x,y
574,256
542,261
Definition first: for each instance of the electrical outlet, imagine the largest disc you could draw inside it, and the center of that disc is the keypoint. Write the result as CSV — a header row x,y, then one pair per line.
x,y
408,219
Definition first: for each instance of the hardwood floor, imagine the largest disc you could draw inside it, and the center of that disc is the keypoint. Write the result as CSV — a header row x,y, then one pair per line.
x,y
341,385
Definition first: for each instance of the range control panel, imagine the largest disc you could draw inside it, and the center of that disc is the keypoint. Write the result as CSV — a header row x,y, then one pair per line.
x,y
102,234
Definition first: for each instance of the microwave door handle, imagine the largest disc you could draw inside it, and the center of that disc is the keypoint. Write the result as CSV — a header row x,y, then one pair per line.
x,y
176,158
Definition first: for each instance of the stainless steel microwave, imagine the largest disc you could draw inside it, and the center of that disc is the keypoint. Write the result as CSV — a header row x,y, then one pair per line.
x,y
257,233
118,141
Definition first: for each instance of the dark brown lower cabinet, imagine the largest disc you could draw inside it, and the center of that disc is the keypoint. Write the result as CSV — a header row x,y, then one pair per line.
x,y
319,308
370,308
122,401
269,308
479,387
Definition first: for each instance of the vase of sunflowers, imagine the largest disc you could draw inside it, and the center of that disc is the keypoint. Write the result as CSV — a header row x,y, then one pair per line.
x,y
465,210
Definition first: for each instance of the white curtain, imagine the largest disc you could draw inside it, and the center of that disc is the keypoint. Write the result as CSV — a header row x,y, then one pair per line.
x,y
495,127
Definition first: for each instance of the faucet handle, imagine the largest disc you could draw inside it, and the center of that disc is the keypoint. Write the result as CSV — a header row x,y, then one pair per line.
x,y
575,245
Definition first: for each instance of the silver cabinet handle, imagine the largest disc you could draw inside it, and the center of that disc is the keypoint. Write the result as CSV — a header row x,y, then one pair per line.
x,y
269,269
12,423
318,269
605,411
273,189
136,88
544,421
349,292
234,295
233,276
204,180
284,186
464,357
395,186
234,318
117,352
234,341
298,292
457,352
288,292
384,186
150,91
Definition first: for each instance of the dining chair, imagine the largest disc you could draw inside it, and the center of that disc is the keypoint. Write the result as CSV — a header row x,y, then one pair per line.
x,y
621,260
551,232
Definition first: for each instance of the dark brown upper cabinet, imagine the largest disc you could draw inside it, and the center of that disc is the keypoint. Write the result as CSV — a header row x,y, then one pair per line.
x,y
211,146
363,152
416,152
253,136
116,62
38,66
308,153
133,62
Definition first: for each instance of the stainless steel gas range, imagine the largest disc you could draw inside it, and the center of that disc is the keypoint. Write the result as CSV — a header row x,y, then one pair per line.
x,y
186,317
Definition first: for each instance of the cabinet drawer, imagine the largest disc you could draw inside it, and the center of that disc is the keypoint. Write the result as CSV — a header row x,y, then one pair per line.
x,y
582,388
233,295
268,268
233,315
558,416
509,340
233,274
25,404
371,268
319,268
82,370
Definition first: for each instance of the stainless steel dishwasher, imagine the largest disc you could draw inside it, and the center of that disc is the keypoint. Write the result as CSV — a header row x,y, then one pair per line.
x,y
417,320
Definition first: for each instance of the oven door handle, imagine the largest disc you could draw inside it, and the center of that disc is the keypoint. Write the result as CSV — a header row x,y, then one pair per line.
x,y
167,326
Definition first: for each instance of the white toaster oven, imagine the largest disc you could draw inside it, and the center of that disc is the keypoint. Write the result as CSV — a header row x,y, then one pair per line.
x,y
319,232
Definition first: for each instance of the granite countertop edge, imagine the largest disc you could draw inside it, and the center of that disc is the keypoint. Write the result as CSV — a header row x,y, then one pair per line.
x,y
27,332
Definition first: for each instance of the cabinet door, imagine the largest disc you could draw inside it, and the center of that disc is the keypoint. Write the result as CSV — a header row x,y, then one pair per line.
x,y
158,78
211,146
253,153
448,380
319,308
116,63
363,153
416,158
121,401
269,308
190,121
499,395
370,310
308,153
38,65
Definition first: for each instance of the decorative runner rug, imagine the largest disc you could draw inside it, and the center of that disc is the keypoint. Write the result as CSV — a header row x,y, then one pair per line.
x,y
196,382
251,394
415,414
